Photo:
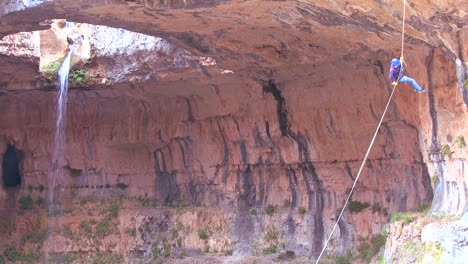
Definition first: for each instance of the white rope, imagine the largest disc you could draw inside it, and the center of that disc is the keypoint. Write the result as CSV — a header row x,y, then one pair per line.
x,y
372,141
358,174
403,30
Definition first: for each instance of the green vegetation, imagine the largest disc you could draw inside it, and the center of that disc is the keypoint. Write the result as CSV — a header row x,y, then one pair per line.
x,y
66,258
270,209
202,234
26,202
35,237
113,211
384,231
78,77
465,84
97,230
367,252
145,202
412,251
179,242
301,210
446,151
51,70
356,206
271,237
2,259
437,250
435,179
86,227
88,199
106,258
402,217
11,254
424,208
344,259
460,142
253,211
381,260
103,228
41,188
272,249
271,234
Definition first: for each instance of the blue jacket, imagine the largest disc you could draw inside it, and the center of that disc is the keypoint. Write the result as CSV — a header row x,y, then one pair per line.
x,y
395,73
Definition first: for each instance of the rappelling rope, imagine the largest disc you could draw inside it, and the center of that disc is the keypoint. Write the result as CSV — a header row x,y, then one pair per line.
x,y
358,174
370,145
403,31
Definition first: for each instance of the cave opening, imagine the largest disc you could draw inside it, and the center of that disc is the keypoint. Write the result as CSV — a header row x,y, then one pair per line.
x,y
10,167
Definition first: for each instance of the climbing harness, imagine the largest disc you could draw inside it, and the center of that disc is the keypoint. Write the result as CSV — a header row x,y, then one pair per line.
x,y
372,141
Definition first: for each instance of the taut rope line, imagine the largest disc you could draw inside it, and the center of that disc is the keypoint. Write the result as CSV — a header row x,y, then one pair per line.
x,y
372,141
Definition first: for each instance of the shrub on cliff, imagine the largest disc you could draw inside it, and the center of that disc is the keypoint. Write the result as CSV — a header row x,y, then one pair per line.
x,y
401,217
104,228
356,206
301,210
460,142
269,210
26,202
344,259
35,237
202,234
435,179
11,254
271,249
446,151
78,77
368,251
51,70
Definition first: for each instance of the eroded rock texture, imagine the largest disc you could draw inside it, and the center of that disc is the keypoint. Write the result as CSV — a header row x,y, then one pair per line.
x,y
282,118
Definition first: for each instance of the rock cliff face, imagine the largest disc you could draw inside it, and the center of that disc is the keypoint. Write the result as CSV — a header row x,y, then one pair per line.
x,y
260,111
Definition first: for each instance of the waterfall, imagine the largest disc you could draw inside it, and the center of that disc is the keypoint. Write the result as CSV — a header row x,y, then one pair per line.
x,y
56,183
60,125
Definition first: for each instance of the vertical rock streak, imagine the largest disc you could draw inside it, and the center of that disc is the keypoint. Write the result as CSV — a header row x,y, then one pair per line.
x,y
314,186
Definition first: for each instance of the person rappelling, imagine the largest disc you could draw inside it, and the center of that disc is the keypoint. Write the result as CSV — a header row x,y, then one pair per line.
x,y
396,76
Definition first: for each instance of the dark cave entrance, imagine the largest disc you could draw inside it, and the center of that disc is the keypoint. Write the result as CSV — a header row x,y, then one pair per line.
x,y
10,167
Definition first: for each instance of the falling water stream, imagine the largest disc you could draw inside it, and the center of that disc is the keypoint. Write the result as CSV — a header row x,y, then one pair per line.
x,y
56,182
56,175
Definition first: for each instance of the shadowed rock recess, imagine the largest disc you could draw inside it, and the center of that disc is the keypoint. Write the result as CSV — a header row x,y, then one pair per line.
x,y
232,131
